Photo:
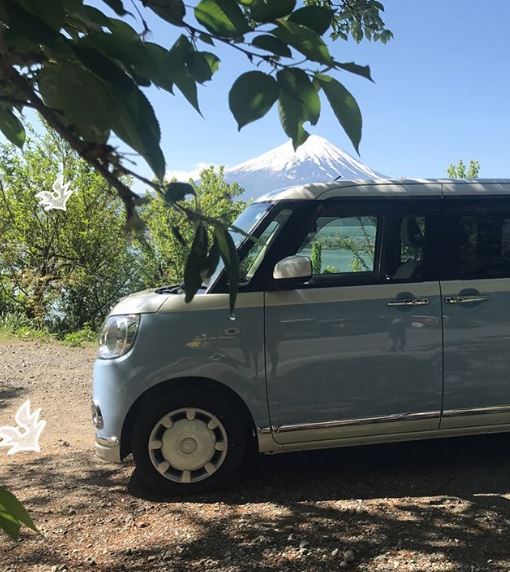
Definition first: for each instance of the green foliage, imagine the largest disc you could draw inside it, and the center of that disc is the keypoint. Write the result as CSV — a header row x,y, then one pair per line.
x,y
359,19
83,336
13,515
16,324
344,106
84,71
172,233
459,171
61,270
252,96
316,257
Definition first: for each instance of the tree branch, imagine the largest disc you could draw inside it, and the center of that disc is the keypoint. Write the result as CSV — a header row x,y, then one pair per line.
x,y
128,197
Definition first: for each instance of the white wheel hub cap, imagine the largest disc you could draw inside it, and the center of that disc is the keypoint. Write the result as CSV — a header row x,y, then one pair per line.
x,y
188,445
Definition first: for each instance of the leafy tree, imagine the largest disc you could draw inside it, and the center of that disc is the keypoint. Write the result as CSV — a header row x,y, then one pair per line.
x,y
83,72
74,264
316,257
359,19
171,233
459,171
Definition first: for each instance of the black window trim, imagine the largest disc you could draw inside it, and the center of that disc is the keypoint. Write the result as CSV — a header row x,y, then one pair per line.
x,y
357,206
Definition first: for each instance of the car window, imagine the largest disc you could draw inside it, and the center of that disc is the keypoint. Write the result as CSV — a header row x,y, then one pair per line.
x,y
338,244
255,254
482,246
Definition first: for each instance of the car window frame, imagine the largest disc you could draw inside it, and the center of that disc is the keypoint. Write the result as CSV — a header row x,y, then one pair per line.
x,y
381,207
471,205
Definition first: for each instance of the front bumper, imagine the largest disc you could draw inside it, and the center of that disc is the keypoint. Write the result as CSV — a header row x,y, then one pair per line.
x,y
108,449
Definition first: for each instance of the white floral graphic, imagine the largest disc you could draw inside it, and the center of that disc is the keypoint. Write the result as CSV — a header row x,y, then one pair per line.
x,y
25,436
56,199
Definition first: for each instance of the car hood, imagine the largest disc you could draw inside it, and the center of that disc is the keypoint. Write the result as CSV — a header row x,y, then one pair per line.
x,y
144,302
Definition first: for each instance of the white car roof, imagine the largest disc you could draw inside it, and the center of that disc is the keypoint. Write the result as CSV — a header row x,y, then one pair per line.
x,y
389,187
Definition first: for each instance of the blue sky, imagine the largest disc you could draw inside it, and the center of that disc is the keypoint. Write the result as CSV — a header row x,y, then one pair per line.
x,y
441,94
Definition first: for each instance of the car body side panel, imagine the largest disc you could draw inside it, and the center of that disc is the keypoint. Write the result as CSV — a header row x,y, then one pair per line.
x,y
343,362
176,343
477,360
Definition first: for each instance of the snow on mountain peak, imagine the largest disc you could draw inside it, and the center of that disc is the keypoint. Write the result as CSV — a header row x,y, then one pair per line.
x,y
317,160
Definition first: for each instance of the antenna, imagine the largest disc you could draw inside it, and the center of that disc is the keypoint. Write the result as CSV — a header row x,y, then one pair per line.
x,y
339,177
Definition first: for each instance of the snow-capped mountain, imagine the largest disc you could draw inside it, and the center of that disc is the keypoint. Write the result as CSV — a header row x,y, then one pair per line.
x,y
317,160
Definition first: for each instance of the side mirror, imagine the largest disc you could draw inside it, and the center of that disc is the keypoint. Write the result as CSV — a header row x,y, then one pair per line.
x,y
293,269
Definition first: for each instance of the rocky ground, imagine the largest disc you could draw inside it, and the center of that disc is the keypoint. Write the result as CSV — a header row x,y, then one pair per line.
x,y
435,505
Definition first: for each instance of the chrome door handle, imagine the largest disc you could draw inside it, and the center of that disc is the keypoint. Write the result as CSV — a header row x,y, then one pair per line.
x,y
409,302
465,299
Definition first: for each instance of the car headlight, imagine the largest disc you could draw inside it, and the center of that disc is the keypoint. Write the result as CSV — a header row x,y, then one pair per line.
x,y
117,335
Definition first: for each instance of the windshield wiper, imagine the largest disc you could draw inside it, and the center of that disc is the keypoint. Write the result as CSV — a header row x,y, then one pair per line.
x,y
175,289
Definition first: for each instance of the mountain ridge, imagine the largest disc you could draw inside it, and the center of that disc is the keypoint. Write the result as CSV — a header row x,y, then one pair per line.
x,y
316,161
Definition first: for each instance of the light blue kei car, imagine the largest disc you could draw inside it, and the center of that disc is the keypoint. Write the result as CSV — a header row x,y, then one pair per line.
x,y
368,312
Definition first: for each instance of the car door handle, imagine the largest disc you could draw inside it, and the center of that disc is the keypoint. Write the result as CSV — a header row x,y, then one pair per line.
x,y
409,302
465,299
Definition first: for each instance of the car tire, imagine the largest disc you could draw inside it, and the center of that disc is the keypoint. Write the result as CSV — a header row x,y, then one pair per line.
x,y
189,441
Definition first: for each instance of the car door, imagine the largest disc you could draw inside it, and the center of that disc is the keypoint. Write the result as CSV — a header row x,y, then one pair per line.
x,y
476,296
357,350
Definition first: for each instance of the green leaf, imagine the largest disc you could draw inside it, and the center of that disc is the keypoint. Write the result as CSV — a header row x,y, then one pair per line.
x,y
103,67
212,60
178,236
51,13
363,71
92,17
123,30
317,18
230,257
271,44
12,127
10,504
306,41
172,11
222,17
135,123
269,10
196,263
155,65
9,525
116,6
202,66
297,84
188,88
213,258
83,99
292,116
206,39
177,191
23,24
179,54
143,59
252,95
344,107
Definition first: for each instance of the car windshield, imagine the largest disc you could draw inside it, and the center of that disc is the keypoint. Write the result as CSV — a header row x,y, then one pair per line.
x,y
246,221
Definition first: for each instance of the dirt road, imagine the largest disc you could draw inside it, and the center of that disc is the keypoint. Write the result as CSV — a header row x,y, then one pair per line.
x,y
436,505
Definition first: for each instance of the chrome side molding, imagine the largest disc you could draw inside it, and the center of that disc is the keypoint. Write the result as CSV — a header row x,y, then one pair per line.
x,y
357,421
476,411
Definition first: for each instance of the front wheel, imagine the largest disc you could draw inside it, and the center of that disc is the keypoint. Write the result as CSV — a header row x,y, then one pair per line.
x,y
188,442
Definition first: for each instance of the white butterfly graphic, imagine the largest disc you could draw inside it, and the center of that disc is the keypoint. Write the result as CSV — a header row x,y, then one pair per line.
x,y
56,199
25,436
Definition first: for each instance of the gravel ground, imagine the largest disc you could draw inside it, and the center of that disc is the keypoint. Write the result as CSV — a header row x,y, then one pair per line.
x,y
436,505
